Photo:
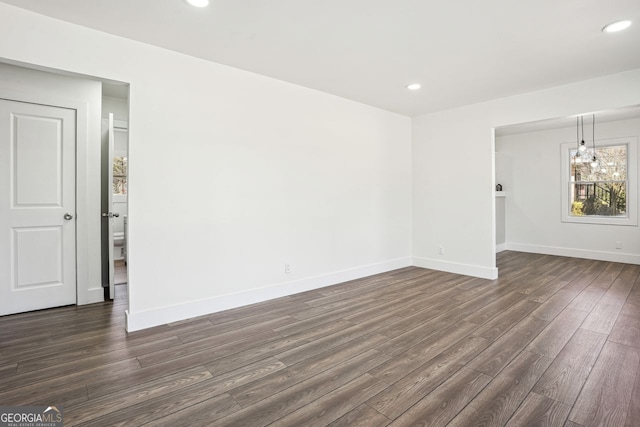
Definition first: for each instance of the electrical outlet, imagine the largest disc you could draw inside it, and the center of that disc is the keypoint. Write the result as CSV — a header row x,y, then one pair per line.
x,y
287,268
440,250
618,244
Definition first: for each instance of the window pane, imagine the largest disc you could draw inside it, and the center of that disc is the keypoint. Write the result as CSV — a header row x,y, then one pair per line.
x,y
119,186
119,166
599,188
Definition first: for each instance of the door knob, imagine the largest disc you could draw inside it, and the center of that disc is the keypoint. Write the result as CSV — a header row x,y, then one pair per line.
x,y
116,215
111,215
68,216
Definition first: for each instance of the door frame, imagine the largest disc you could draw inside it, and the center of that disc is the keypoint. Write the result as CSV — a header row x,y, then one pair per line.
x,y
37,96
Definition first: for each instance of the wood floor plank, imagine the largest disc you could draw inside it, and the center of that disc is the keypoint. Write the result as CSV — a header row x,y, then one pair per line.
x,y
118,381
334,404
418,383
587,299
493,308
604,315
66,373
8,370
607,277
164,406
530,284
403,307
224,335
444,403
398,366
259,352
495,405
500,324
343,306
604,399
304,351
215,347
626,330
569,371
586,277
540,411
633,414
275,306
207,410
362,416
423,335
286,401
82,354
95,408
634,295
545,291
508,346
554,337
410,323
253,392
67,389
554,305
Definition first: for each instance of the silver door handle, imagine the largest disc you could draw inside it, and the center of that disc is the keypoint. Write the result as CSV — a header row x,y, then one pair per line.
x,y
68,216
116,215
110,215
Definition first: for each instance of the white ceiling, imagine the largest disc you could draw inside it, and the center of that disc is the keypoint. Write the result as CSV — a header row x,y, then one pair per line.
x,y
565,122
462,51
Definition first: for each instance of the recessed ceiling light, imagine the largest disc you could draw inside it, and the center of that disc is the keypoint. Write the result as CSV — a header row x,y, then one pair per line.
x,y
414,86
198,3
616,26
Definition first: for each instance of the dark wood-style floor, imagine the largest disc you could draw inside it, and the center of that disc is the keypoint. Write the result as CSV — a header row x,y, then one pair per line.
x,y
554,342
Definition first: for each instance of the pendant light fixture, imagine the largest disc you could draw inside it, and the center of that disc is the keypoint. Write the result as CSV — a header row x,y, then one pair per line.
x,y
583,147
594,159
577,156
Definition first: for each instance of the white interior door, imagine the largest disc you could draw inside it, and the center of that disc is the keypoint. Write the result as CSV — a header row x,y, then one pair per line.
x,y
37,206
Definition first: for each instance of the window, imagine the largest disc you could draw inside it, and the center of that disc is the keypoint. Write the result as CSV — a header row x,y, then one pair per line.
x,y
601,192
120,176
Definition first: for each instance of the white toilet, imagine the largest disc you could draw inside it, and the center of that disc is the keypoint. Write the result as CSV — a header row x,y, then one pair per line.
x,y
118,245
120,242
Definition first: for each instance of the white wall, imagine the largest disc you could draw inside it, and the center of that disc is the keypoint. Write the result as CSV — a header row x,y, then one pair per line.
x,y
453,179
530,166
240,171
118,106
76,91
501,230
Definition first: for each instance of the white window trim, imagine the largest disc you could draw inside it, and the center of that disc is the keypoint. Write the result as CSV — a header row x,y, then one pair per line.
x,y
632,183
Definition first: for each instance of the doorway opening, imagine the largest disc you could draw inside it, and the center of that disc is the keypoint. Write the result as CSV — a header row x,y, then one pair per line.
x,y
533,163
88,98
114,186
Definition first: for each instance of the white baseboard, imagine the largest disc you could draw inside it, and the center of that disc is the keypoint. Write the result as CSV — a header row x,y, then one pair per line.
x,y
453,267
575,253
501,247
160,316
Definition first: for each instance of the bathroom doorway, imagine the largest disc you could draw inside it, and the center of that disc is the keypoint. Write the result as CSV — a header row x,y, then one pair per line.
x,y
115,148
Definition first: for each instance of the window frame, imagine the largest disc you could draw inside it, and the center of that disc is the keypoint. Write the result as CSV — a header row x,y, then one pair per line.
x,y
631,218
